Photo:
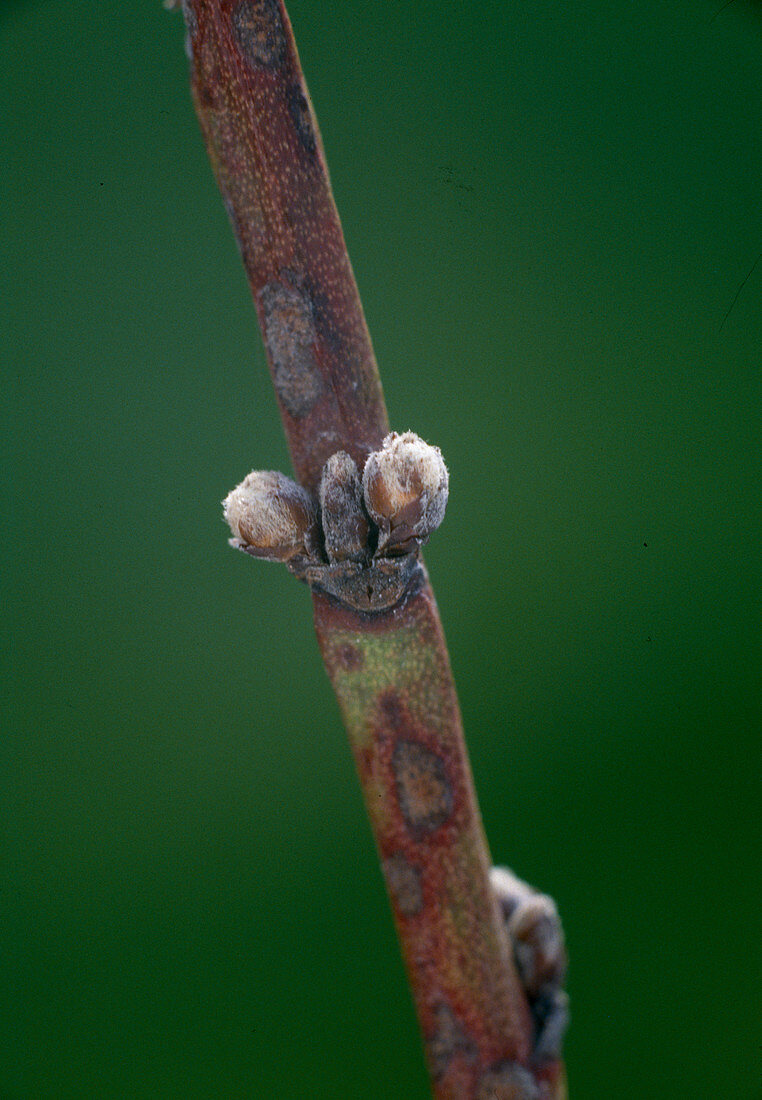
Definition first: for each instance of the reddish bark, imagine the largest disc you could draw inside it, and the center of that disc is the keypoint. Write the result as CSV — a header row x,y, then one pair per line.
x,y
393,681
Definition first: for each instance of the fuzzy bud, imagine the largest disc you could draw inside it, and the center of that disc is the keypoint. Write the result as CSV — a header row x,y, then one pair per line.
x,y
272,517
535,930
405,485
345,524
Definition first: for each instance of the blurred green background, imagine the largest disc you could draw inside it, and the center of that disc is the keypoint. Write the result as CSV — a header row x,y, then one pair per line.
x,y
550,209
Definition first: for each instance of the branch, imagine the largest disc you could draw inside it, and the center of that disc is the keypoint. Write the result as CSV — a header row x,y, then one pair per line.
x,y
267,155
485,956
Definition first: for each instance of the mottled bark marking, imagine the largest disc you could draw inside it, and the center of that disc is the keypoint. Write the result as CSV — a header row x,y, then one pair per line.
x,y
404,882
289,331
448,1040
423,790
258,31
301,116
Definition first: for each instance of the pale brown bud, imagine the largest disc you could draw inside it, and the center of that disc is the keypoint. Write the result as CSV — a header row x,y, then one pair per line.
x,y
272,517
405,485
345,524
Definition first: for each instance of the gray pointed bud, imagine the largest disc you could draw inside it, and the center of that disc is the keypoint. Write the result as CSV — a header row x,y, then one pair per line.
x,y
535,929
405,485
345,524
272,517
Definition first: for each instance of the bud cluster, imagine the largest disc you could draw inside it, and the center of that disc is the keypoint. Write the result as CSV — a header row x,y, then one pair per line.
x,y
359,521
